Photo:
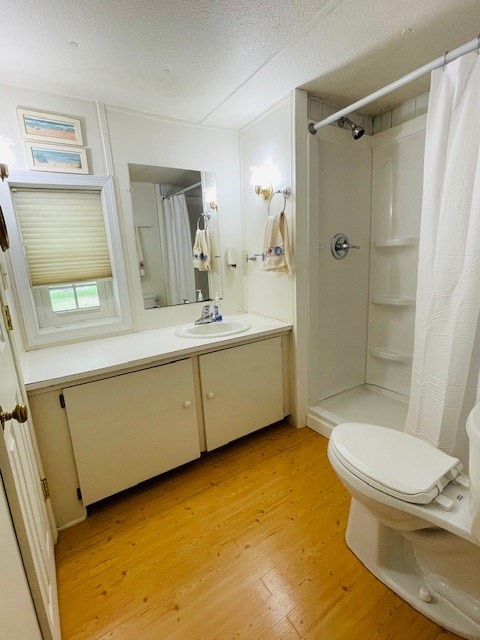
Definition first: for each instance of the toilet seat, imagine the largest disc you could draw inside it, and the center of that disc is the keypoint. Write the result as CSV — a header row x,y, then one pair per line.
x,y
393,462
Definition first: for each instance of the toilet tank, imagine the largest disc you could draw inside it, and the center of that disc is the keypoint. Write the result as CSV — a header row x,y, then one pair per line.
x,y
473,430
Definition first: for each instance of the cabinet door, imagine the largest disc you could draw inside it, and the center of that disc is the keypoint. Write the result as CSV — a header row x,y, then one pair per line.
x,y
242,390
132,427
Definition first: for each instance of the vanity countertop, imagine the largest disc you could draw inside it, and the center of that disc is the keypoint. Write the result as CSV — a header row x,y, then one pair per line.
x,y
75,362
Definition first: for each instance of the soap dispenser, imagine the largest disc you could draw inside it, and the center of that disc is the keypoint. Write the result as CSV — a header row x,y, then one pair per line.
x,y
216,308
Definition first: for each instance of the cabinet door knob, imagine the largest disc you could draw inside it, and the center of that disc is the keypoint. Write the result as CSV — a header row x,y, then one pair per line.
x,y
187,404
210,395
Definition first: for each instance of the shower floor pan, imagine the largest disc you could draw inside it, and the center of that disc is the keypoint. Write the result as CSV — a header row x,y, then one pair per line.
x,y
366,403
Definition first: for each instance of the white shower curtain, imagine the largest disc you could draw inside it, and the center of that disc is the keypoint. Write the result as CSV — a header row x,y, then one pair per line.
x,y
448,292
180,277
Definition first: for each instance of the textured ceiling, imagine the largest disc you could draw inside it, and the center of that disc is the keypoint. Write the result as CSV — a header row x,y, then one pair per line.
x,y
221,62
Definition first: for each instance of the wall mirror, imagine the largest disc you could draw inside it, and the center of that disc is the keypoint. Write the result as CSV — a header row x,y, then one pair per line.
x,y
176,234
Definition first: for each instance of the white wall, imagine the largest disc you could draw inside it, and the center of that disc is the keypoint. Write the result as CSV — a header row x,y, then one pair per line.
x,y
340,202
270,136
85,110
300,198
148,140
279,295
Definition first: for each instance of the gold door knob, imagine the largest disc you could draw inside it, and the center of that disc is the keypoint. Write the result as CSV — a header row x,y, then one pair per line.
x,y
20,414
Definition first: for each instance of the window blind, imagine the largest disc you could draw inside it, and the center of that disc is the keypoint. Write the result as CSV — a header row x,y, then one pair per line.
x,y
63,233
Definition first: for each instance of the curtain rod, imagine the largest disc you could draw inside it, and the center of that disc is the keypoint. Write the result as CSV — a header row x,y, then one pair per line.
x,y
177,193
441,61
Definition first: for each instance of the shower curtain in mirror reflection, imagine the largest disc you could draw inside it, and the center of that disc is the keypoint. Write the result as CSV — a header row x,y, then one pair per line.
x,y
180,278
448,292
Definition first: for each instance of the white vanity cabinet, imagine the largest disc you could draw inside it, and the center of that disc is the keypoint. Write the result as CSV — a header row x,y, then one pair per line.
x,y
242,390
114,412
131,427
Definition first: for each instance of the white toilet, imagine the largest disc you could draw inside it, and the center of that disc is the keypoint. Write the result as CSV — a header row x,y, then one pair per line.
x,y
414,520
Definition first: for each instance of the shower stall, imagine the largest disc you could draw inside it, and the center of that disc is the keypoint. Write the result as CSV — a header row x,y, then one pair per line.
x,y
362,300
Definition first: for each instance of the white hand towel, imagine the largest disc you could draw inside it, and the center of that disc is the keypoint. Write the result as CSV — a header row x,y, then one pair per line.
x,y
277,254
138,245
201,250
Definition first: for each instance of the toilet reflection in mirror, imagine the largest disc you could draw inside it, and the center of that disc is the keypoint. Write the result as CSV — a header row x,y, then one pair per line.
x,y
169,206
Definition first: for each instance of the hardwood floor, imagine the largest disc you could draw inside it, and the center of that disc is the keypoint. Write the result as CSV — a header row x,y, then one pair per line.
x,y
246,543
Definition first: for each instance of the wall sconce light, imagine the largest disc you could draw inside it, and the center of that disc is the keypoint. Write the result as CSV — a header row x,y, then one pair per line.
x,y
6,156
264,178
211,198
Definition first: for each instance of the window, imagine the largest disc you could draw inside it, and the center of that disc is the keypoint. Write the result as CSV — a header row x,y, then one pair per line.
x,y
66,257
74,297
74,302
65,244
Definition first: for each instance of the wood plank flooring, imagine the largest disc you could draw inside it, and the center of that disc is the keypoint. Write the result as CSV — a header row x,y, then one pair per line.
x,y
246,543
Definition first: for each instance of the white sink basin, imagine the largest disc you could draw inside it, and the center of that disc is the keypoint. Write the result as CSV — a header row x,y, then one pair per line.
x,y
213,329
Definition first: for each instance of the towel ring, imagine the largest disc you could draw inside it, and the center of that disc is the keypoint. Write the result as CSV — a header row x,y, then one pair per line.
x,y
286,191
205,217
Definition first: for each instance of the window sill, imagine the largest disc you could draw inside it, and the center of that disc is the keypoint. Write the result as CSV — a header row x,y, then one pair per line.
x,y
53,336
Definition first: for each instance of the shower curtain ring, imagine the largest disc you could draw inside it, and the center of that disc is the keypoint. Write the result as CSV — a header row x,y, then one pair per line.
x,y
444,60
478,45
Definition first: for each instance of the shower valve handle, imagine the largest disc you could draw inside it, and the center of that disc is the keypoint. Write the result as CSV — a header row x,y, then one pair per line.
x,y
340,246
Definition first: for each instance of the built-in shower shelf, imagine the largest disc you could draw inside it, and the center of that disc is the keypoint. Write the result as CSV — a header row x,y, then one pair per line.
x,y
396,301
388,354
399,241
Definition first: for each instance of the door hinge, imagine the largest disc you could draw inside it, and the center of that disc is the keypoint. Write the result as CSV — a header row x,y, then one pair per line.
x,y
7,317
45,489
61,399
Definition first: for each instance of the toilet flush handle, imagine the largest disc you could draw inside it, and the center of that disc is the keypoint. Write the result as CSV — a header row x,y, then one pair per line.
x,y
445,503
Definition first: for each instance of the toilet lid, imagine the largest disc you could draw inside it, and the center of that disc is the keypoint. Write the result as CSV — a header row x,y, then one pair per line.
x,y
394,462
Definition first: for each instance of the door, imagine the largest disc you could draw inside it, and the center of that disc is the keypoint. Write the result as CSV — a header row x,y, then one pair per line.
x,y
132,427
14,588
242,390
21,476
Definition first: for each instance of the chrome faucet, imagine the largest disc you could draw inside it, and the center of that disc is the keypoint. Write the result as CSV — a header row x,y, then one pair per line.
x,y
207,316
